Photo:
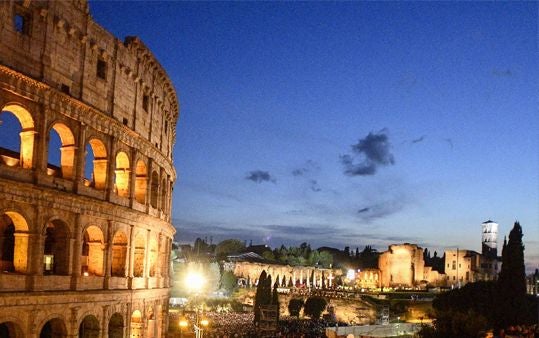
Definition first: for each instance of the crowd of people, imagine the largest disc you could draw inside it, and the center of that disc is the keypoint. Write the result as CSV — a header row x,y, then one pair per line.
x,y
241,325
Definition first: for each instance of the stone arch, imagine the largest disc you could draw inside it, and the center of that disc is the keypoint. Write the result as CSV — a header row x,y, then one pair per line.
x,y
53,328
137,325
140,253
121,181
154,189
153,257
67,150
89,327
116,326
24,157
13,242
119,254
163,205
96,170
10,329
92,251
141,182
56,248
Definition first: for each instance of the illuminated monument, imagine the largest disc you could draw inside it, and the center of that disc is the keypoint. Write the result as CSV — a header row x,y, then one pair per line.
x,y
489,238
85,239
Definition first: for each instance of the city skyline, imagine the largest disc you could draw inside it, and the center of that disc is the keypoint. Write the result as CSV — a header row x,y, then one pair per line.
x,y
349,124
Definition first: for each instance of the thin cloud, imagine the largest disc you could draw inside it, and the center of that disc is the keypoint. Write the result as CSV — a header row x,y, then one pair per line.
x,y
373,151
309,167
314,186
420,139
502,72
259,176
380,210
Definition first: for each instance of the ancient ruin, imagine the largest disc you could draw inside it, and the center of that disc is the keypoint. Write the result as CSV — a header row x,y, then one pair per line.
x,y
85,231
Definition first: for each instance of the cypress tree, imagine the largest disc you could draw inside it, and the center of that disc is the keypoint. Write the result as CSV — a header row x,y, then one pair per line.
x,y
512,281
259,298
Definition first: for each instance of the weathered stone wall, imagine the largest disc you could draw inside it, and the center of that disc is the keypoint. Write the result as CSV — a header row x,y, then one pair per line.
x,y
401,265
82,249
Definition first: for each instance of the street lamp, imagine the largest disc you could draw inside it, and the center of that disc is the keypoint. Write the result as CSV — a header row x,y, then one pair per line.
x,y
183,324
200,325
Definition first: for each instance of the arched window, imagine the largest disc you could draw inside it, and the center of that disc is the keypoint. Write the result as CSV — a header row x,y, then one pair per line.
x,y
140,252
62,160
121,181
89,327
116,326
155,189
56,249
153,257
13,242
54,328
10,330
141,182
17,141
119,254
92,252
96,163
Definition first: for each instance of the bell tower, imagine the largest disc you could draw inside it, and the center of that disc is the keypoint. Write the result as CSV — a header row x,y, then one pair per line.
x,y
489,239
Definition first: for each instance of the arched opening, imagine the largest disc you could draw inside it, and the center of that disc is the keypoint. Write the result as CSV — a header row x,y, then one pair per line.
x,y
13,243
10,330
17,141
92,252
61,161
153,257
119,254
136,324
121,181
141,182
56,249
54,328
154,190
163,205
95,171
89,327
116,326
140,248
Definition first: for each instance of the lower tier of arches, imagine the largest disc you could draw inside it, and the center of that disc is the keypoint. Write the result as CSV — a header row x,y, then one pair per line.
x,y
114,314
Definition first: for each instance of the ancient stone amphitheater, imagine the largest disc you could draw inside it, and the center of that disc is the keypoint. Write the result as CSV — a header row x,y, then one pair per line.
x,y
86,135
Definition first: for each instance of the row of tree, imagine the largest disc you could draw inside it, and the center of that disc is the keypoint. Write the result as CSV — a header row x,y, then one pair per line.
x,y
302,255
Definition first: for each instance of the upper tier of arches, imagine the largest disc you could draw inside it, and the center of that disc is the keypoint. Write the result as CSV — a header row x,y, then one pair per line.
x,y
73,156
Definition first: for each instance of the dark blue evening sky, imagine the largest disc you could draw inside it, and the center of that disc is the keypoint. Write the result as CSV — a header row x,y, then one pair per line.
x,y
349,123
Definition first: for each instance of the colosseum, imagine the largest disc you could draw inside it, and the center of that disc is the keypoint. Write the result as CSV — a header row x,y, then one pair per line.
x,y
86,133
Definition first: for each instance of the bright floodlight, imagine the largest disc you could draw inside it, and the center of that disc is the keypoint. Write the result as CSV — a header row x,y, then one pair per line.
x,y
350,274
204,322
183,322
195,281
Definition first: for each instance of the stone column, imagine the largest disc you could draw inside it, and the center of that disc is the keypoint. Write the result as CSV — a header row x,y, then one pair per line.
x,y
147,259
27,148
108,254
75,272
111,167
100,173
105,322
131,256
67,160
80,158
